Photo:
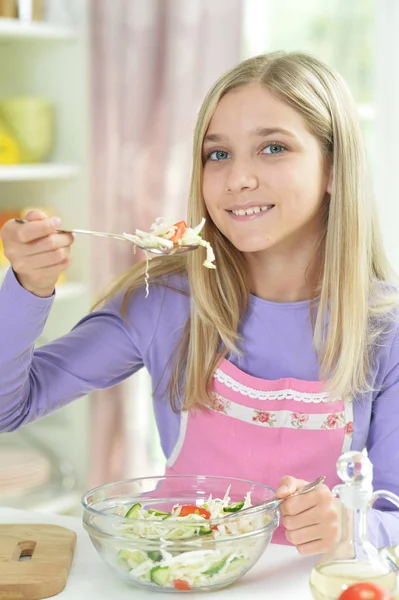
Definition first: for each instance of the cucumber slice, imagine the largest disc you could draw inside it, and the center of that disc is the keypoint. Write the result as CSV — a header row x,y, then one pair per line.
x,y
122,561
239,562
159,575
159,513
132,558
234,507
133,511
154,555
215,568
135,555
204,531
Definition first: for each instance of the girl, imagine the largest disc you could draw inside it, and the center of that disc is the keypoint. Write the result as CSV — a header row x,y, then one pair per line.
x,y
286,355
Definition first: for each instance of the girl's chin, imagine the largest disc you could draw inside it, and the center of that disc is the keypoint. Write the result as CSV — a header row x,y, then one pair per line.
x,y
251,246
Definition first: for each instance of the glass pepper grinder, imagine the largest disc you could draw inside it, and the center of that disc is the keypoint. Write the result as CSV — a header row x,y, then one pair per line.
x,y
354,558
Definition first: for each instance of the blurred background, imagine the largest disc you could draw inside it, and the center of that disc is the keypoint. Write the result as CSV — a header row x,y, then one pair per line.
x,y
98,102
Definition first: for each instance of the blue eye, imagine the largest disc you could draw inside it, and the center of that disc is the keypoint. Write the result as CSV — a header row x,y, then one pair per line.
x,y
274,149
218,155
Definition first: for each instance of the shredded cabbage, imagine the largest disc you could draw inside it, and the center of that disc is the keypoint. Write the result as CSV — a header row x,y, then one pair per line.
x,y
162,230
211,564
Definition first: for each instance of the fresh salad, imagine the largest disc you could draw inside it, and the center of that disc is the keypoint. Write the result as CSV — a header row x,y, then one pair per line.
x,y
164,562
166,235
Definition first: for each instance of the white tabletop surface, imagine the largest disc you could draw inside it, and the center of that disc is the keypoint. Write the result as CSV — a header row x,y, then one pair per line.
x,y
280,573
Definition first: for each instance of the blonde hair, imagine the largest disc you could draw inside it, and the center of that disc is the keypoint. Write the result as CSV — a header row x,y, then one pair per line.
x,y
352,308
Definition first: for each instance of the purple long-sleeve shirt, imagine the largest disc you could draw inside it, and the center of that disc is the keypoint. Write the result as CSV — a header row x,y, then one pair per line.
x,y
103,349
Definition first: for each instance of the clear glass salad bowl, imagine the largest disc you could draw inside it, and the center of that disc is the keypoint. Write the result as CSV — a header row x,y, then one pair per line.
x,y
180,533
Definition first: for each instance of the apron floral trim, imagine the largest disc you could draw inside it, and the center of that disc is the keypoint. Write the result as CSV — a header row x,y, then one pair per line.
x,y
282,418
285,394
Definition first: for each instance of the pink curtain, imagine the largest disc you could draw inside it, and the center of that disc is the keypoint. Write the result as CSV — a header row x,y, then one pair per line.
x,y
152,63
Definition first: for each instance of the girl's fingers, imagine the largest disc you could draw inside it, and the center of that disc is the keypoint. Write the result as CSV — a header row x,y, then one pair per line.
x,y
34,230
48,244
42,260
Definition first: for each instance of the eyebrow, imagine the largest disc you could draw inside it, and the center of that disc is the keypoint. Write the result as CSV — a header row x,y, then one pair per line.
x,y
260,131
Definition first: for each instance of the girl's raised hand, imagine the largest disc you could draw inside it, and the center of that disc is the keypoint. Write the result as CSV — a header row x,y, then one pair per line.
x,y
36,252
311,520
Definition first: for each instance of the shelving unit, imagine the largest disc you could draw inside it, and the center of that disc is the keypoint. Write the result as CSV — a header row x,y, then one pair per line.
x,y
42,172
52,60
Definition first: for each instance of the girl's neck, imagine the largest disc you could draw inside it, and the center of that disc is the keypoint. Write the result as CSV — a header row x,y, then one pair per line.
x,y
284,274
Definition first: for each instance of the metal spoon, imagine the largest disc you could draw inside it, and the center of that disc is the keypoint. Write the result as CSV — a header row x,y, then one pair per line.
x,y
275,502
118,236
271,504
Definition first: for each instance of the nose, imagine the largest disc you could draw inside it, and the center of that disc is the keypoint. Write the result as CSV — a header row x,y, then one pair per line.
x,y
241,177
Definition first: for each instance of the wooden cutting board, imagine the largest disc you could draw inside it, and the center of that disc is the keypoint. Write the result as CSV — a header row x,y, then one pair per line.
x,y
34,560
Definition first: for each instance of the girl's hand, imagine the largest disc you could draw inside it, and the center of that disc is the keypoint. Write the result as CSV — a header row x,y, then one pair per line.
x,y
311,520
36,252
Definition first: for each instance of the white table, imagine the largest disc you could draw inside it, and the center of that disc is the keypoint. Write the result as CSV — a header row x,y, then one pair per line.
x,y
281,572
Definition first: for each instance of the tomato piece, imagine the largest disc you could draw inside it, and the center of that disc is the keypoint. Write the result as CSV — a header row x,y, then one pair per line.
x,y
204,513
189,509
180,228
182,585
364,591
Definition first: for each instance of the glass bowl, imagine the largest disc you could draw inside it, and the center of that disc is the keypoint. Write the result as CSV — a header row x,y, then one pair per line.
x,y
179,553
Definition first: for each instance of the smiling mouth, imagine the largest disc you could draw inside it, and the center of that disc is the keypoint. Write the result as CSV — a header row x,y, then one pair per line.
x,y
254,210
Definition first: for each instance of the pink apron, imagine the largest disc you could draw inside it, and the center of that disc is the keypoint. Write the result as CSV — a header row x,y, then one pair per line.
x,y
261,430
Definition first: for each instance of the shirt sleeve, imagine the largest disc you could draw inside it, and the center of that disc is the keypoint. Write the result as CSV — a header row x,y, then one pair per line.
x,y
383,451
99,352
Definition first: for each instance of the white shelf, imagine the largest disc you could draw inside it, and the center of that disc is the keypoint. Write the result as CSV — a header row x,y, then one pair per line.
x,y
14,29
37,172
67,291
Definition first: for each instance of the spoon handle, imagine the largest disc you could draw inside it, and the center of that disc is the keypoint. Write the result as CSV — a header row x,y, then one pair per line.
x,y
308,487
275,502
84,231
157,250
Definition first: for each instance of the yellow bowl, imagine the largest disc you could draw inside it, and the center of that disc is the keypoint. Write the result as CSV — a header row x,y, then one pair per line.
x,y
30,121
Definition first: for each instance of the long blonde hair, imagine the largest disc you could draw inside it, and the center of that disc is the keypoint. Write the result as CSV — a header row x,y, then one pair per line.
x,y
352,307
